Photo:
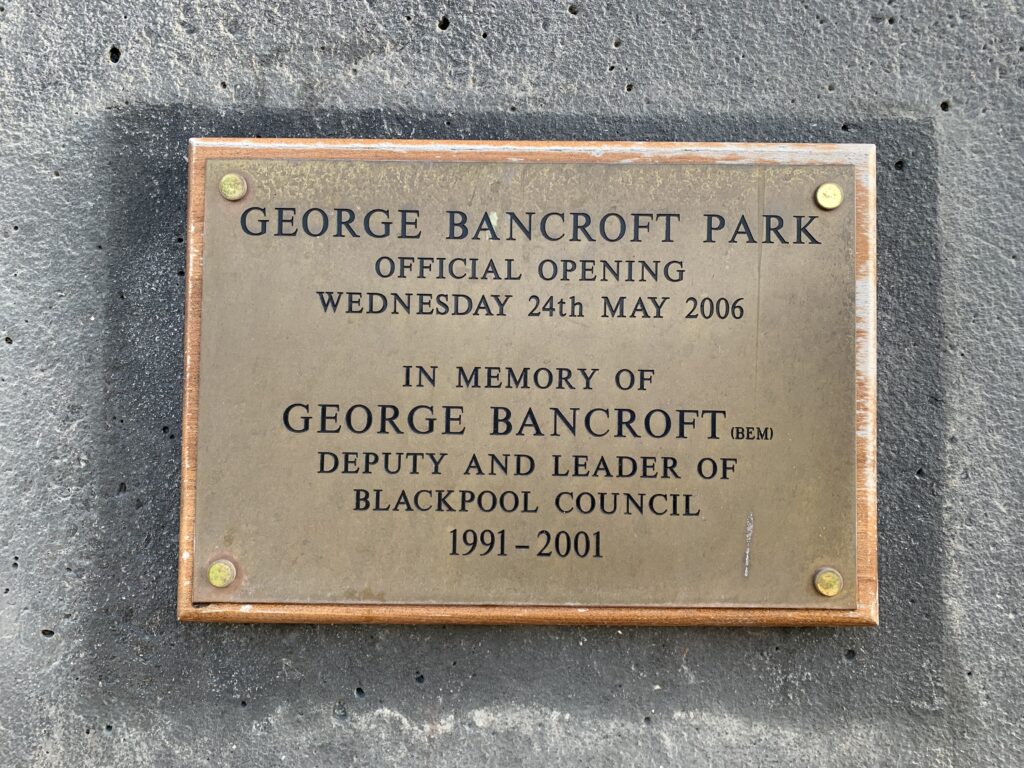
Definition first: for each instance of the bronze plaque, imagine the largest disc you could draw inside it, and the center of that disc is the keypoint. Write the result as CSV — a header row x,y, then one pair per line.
x,y
529,382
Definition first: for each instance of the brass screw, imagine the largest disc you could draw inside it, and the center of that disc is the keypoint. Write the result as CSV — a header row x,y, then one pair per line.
x,y
828,582
221,573
829,196
232,186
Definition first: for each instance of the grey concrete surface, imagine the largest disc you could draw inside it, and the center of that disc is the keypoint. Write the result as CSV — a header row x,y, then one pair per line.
x,y
94,668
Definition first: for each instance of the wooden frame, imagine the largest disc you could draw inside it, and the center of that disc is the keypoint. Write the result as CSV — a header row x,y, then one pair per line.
x,y
861,157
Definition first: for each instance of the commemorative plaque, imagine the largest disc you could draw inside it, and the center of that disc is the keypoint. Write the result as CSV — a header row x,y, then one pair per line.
x,y
529,382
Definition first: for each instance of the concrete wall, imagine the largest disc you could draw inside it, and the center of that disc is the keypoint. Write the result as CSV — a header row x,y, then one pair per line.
x,y
94,668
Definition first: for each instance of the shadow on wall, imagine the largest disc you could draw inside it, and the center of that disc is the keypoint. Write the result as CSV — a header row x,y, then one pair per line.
x,y
869,675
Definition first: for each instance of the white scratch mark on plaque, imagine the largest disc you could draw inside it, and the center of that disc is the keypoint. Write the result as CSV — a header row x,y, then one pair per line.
x,y
746,551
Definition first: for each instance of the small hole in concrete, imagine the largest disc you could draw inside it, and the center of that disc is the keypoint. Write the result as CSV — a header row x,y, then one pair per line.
x,y
360,693
611,68
108,727
647,720
419,678
629,87
484,35
115,54
47,633
617,43
8,340
851,654
443,23
846,126
898,165
944,106
574,9
243,703
223,84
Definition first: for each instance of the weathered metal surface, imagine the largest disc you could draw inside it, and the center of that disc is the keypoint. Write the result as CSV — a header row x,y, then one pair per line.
x,y
330,470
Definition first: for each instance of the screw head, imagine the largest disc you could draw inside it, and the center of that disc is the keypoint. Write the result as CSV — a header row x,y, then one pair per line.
x,y
829,196
232,186
828,582
221,573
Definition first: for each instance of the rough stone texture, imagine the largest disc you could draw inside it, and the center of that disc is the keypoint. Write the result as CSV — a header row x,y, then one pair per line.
x,y
96,670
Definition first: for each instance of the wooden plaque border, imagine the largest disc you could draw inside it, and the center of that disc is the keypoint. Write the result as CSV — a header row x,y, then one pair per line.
x,y
860,156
